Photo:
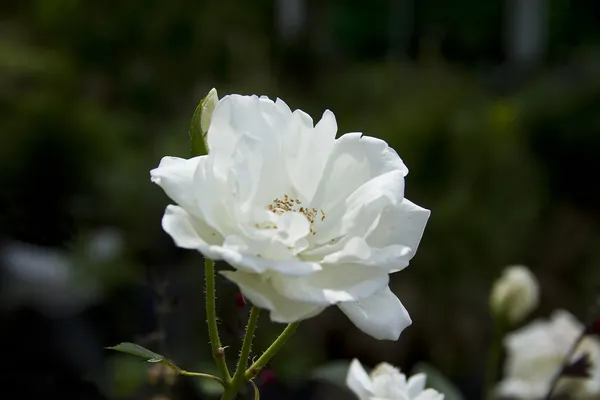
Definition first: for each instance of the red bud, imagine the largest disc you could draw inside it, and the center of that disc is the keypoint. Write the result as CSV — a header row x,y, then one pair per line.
x,y
240,301
266,377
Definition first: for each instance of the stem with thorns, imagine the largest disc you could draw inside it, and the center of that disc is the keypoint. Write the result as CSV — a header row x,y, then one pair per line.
x,y
239,378
218,351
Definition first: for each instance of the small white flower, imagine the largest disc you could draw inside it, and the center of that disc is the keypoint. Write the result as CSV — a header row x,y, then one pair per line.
x,y
515,294
306,220
388,383
536,352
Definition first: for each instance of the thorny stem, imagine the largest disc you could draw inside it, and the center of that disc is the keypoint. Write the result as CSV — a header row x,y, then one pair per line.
x,y
239,378
271,351
565,364
211,315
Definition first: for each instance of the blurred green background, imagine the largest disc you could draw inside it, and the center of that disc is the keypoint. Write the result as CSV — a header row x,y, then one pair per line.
x,y
493,105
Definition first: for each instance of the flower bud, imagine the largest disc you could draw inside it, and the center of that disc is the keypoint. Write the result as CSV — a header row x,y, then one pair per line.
x,y
266,377
240,301
515,294
201,122
208,105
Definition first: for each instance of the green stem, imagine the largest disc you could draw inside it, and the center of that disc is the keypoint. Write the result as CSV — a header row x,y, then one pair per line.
x,y
494,355
271,351
239,377
247,345
211,315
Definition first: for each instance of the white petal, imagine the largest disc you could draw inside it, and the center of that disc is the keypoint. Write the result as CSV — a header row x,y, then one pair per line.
x,y
382,315
176,177
272,236
517,388
241,256
401,396
356,250
261,294
353,161
416,384
358,381
359,214
401,225
190,232
385,368
430,394
391,386
292,227
389,245
245,139
245,115
333,284
306,151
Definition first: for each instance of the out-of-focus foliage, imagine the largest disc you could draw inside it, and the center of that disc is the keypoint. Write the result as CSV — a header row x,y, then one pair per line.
x,y
93,94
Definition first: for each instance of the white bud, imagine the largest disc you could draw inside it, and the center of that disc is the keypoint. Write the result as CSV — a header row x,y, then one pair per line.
x,y
515,294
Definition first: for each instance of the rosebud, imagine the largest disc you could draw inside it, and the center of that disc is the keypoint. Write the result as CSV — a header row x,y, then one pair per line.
x,y
240,301
515,294
208,106
266,377
201,122
594,327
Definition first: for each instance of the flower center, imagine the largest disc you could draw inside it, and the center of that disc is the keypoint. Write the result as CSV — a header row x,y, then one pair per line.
x,y
288,204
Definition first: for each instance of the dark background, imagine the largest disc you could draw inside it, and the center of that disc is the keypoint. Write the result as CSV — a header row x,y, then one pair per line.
x,y
493,105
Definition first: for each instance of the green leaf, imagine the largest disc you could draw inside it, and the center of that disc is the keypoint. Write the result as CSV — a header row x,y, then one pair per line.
x,y
436,380
200,123
137,350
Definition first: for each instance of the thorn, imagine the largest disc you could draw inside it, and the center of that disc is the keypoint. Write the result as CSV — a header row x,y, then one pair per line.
x,y
220,352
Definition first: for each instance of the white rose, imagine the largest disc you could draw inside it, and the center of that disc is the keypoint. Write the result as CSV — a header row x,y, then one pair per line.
x,y
515,294
536,352
306,220
388,383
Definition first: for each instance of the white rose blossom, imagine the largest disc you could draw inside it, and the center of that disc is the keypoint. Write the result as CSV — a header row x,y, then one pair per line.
x,y
305,219
536,352
515,294
388,383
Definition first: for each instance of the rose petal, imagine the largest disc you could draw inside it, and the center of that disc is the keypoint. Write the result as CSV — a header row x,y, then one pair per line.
x,y
416,384
358,381
382,315
333,284
176,177
262,295
190,232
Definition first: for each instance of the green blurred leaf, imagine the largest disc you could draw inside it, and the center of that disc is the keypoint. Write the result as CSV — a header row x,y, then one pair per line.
x,y
207,387
126,375
137,350
436,380
334,372
200,123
